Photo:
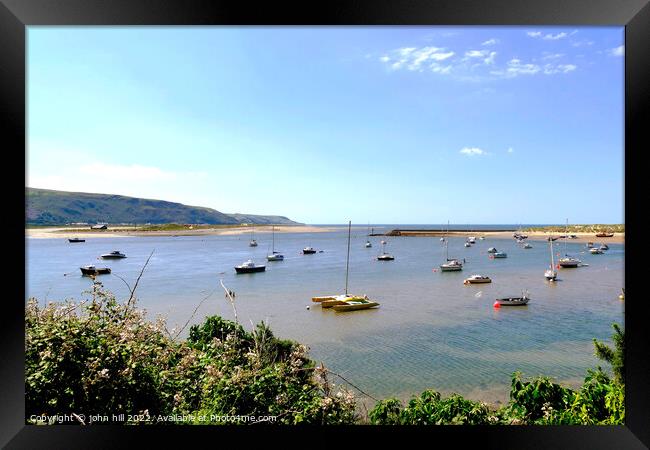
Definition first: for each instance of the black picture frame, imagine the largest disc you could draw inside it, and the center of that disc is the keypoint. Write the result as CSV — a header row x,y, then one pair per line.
x,y
16,15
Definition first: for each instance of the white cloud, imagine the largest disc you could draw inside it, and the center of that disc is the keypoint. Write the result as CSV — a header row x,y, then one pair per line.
x,y
490,58
582,43
550,36
476,53
511,150
617,51
491,42
548,55
416,59
472,151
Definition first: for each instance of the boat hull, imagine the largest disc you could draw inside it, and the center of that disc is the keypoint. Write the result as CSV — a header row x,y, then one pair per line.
x,y
76,240
477,281
275,258
95,271
513,301
309,252
250,269
113,256
450,269
355,306
385,258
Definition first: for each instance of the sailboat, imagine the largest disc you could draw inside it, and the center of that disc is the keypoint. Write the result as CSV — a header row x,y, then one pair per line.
x,y
274,256
452,265
551,274
253,242
368,244
346,302
384,256
568,261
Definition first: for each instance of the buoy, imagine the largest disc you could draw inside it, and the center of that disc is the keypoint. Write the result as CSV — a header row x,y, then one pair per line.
x,y
496,305
307,306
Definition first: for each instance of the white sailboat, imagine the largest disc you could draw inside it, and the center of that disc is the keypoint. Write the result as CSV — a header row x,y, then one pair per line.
x,y
253,242
368,244
568,261
384,256
551,273
274,256
451,265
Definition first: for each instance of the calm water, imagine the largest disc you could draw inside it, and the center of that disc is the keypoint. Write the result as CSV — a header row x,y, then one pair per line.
x,y
431,331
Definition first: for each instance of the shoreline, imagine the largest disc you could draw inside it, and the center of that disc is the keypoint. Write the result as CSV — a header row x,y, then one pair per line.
x,y
582,238
125,231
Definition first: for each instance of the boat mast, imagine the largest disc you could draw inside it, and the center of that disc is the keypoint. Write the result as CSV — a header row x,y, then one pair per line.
x,y
447,243
552,260
273,234
347,264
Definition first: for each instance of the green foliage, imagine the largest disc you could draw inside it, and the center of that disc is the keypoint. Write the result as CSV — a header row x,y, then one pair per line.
x,y
103,358
615,356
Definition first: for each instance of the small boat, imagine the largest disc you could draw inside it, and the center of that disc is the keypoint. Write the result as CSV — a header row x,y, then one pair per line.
x,y
604,247
602,234
622,295
339,300
368,244
527,245
596,251
471,240
384,256
500,255
452,265
345,302
550,238
573,236
482,238
354,305
467,244
274,256
253,242
76,240
308,250
590,244
550,273
92,270
492,250
512,301
249,267
477,279
116,254
568,262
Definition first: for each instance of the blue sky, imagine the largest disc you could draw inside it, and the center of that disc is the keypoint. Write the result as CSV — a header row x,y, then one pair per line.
x,y
328,124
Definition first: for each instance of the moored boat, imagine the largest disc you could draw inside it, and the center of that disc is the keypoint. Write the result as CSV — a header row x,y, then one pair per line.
x,y
76,240
604,247
527,245
274,256
384,256
92,270
116,254
467,244
477,279
452,265
249,267
550,273
492,250
355,305
512,301
500,255
568,262
596,251
603,234
308,250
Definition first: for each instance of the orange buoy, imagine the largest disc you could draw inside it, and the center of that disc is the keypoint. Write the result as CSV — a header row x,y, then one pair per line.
x,y
496,305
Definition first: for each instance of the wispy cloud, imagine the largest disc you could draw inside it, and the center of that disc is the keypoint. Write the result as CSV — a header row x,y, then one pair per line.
x,y
511,150
491,42
550,36
472,151
416,59
582,43
617,51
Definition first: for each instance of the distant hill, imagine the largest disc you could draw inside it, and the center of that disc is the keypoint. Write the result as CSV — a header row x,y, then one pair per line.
x,y
49,207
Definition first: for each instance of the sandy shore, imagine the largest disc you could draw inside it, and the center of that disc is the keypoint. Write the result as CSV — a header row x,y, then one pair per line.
x,y
65,233
618,238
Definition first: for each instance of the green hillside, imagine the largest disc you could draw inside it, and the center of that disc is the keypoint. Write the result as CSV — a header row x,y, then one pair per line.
x,y
49,207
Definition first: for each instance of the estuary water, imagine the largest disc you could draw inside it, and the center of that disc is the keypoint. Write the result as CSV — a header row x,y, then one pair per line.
x,y
431,330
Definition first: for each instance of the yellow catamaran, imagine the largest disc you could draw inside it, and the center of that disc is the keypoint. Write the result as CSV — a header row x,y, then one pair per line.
x,y
346,302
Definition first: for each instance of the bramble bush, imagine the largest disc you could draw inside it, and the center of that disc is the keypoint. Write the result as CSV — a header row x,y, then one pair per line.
x,y
102,357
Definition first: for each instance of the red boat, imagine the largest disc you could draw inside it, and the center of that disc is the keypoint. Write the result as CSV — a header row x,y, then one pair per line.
x,y
604,234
